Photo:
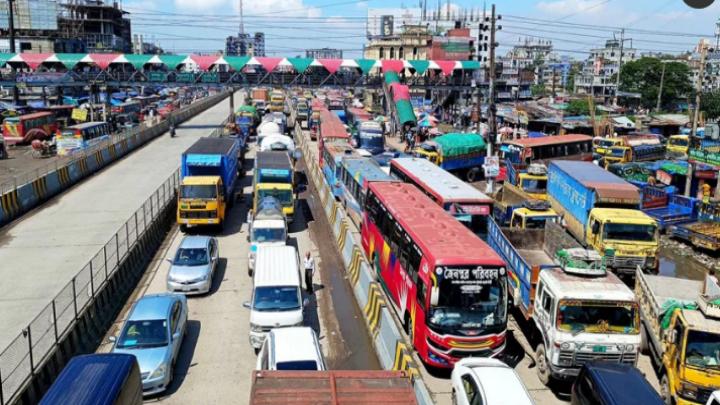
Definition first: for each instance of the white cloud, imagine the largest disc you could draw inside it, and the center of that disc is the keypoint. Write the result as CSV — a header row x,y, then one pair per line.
x,y
361,5
565,7
195,5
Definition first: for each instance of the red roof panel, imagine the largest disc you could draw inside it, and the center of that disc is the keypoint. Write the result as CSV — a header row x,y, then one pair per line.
x,y
549,140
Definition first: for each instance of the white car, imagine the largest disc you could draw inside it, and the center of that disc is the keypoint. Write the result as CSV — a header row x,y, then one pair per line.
x,y
294,348
487,381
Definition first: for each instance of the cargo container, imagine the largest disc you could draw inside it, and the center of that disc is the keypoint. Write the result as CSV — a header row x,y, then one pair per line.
x,y
460,154
601,211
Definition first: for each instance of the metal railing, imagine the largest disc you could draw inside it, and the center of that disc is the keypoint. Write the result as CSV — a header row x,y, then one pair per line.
x,y
60,161
22,358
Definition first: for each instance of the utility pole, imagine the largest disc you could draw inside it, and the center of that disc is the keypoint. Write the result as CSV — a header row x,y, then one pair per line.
x,y
492,127
696,114
617,78
662,81
11,29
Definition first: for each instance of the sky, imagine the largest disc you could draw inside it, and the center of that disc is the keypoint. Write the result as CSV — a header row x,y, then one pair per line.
x,y
291,26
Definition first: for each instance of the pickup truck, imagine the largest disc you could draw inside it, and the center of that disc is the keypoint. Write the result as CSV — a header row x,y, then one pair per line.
x,y
602,212
668,209
582,312
705,232
460,154
681,331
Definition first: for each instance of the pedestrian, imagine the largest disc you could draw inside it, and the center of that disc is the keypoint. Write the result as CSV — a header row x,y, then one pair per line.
x,y
309,271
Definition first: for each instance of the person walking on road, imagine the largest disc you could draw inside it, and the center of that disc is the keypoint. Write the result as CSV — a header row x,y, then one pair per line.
x,y
309,271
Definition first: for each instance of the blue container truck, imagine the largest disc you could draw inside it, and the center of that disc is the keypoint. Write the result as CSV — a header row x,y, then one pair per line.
x,y
601,211
208,172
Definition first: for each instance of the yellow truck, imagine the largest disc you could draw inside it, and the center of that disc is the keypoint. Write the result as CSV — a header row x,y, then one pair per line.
x,y
531,183
531,218
678,146
602,212
277,101
274,177
629,148
681,332
208,173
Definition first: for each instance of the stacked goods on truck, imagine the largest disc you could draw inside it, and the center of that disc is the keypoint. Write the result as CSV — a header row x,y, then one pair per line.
x,y
246,119
460,154
681,330
601,211
331,388
550,273
208,171
274,177
705,232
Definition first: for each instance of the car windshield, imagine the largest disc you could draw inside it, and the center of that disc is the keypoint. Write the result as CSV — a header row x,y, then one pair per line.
x,y
598,316
703,349
202,192
629,232
534,186
276,299
284,196
469,299
191,257
143,334
606,143
679,142
268,234
297,365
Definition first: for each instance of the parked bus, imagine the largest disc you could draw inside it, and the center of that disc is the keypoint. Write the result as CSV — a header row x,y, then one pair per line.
x,y
447,286
355,174
522,152
28,127
332,131
331,158
81,136
461,200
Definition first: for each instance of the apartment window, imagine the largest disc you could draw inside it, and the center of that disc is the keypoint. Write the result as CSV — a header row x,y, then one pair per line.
x,y
415,53
392,52
381,53
401,53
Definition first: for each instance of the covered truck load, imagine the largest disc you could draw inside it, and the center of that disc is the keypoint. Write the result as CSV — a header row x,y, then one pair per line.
x,y
462,154
212,157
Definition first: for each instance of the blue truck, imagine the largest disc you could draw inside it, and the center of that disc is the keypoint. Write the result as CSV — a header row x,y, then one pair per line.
x,y
208,172
668,208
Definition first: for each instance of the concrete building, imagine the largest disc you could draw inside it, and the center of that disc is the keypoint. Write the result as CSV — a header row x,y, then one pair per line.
x,y
554,75
93,26
413,42
148,48
324,53
597,76
520,68
245,45
36,25
456,44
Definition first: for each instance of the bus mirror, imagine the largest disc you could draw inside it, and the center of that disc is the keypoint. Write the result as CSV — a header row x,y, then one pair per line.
x,y
434,296
297,154
673,336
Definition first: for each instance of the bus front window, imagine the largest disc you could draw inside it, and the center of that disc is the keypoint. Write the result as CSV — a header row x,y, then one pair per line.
x,y
470,299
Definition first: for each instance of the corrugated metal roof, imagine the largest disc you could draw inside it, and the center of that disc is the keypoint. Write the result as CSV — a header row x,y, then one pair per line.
x,y
549,140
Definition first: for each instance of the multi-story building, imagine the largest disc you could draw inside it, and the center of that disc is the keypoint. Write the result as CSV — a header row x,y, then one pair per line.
x,y
324,53
245,45
597,76
456,44
413,42
554,74
519,69
93,26
35,23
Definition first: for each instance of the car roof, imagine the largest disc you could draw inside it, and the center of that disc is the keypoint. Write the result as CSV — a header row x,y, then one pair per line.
x,y
499,383
156,306
195,242
276,266
294,344
622,384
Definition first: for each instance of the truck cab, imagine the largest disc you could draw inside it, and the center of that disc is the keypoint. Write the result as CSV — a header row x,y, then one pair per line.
x,y
628,238
583,316
201,201
267,227
528,218
530,183
678,145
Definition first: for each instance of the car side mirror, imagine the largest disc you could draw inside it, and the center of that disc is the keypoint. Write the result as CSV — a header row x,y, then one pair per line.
x,y
306,302
434,296
176,335
169,261
112,339
246,304
673,336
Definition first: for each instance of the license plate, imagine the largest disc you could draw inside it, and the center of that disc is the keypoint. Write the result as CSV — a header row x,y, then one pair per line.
x,y
599,349
187,288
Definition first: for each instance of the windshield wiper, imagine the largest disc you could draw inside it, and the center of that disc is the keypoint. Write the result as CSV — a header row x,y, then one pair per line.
x,y
577,331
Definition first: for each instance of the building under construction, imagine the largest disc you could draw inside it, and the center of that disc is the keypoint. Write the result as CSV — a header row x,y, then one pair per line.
x,y
93,26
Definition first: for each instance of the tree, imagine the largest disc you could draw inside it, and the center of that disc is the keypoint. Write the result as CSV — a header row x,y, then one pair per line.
x,y
577,107
574,71
710,104
644,75
538,90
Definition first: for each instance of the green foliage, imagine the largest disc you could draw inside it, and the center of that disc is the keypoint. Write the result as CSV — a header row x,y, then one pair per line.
x,y
710,104
644,75
577,107
538,90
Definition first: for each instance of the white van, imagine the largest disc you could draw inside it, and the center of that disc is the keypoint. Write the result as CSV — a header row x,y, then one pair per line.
x,y
291,349
276,299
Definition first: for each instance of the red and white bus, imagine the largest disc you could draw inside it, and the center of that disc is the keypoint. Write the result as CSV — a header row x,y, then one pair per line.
x,y
448,287
463,201
332,131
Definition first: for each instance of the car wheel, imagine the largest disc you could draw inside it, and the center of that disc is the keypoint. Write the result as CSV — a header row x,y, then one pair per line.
x,y
665,390
543,369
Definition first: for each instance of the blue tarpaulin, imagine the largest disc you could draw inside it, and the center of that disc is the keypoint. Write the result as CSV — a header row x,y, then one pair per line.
x,y
203,160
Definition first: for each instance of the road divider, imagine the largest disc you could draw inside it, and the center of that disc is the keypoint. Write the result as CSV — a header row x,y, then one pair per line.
x,y
21,198
393,351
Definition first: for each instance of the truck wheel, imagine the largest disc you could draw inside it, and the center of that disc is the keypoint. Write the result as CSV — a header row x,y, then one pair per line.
x,y
644,349
472,175
543,369
665,390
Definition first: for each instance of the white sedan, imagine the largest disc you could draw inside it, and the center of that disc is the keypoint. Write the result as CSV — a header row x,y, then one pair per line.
x,y
487,381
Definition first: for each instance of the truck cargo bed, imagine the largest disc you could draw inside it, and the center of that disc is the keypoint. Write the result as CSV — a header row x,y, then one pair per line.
x,y
667,288
535,257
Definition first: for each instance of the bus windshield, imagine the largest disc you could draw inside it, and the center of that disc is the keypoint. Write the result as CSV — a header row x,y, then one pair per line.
x,y
469,299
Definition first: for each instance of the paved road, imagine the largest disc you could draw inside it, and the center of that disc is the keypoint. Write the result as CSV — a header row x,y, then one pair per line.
x,y
42,251
216,358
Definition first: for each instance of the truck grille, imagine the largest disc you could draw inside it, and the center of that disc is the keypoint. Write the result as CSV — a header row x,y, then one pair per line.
x,y
703,395
628,262
578,359
197,214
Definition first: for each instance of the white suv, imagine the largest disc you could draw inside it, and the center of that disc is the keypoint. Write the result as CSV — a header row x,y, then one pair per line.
x,y
294,348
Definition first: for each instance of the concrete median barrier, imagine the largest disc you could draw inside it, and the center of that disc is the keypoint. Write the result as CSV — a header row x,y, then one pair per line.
x,y
24,197
393,351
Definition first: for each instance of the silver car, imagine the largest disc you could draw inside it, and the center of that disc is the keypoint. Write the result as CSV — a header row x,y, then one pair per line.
x,y
193,268
153,333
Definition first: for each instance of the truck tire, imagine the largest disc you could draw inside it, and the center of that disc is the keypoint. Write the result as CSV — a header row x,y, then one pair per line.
x,y
183,228
543,369
472,175
665,390
644,348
